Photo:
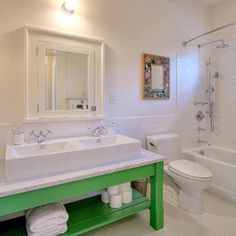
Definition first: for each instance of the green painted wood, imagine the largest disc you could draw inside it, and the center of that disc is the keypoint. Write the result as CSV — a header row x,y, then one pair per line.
x,y
102,221
86,218
95,213
88,214
156,208
27,200
85,212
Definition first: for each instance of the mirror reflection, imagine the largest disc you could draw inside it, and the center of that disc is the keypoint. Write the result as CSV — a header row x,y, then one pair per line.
x,y
157,76
66,80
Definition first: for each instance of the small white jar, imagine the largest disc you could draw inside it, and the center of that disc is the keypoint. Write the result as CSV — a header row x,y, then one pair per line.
x,y
19,138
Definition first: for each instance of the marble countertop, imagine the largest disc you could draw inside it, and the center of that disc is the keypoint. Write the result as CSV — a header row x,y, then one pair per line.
x,y
11,188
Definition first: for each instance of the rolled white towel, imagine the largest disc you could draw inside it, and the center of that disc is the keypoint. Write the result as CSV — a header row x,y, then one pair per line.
x,y
45,217
56,230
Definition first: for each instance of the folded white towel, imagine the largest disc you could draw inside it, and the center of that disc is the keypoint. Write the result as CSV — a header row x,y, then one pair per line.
x,y
56,230
45,217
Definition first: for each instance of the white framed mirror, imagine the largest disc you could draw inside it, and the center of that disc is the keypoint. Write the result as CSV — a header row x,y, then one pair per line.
x,y
65,75
66,78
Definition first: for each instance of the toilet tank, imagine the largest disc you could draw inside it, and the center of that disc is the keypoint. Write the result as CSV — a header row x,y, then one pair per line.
x,y
167,145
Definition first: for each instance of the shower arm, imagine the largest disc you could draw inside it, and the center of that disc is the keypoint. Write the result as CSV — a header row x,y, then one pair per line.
x,y
185,43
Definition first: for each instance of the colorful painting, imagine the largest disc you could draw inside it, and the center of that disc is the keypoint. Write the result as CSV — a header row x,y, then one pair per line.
x,y
148,61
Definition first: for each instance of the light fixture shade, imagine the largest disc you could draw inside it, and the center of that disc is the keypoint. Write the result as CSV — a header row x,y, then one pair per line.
x,y
69,7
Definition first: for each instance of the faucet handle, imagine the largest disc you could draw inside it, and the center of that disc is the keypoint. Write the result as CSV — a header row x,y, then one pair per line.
x,y
41,132
46,133
32,133
41,136
102,129
49,131
97,130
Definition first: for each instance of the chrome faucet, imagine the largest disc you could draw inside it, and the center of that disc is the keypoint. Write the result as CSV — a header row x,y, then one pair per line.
x,y
41,136
97,131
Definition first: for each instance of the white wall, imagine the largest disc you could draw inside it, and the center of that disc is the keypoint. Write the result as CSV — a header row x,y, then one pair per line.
x,y
129,27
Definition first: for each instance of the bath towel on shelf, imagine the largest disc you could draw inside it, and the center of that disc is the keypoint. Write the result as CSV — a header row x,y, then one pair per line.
x,y
55,230
46,217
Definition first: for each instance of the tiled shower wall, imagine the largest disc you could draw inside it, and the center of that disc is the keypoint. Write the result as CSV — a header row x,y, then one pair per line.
x,y
225,59
224,63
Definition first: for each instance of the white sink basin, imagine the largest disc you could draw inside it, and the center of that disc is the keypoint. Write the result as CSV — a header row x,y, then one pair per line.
x,y
29,161
43,149
105,141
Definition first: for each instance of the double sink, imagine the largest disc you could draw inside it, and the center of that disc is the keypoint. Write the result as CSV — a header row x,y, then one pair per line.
x,y
29,161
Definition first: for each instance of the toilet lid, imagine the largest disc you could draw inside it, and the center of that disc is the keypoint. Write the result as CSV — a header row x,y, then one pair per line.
x,y
189,169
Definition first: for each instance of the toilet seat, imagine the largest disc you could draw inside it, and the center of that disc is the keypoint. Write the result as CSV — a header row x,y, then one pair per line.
x,y
190,170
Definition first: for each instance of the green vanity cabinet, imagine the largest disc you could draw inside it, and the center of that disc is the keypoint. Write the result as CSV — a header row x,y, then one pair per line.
x,y
91,213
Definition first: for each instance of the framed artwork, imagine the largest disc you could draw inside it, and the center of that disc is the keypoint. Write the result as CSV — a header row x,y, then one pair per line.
x,y
155,77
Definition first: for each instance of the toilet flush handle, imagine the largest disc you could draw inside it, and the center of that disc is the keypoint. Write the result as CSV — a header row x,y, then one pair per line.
x,y
153,145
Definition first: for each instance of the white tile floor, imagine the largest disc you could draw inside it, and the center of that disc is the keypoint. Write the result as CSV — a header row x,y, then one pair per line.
x,y
218,220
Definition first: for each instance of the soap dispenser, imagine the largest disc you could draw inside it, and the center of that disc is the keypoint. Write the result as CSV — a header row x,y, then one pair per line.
x,y
111,128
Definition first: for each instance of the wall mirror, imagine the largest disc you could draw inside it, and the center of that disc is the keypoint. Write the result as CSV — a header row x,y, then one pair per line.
x,y
65,75
66,80
155,77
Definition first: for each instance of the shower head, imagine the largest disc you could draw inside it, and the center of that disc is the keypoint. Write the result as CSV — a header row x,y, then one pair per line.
x,y
224,45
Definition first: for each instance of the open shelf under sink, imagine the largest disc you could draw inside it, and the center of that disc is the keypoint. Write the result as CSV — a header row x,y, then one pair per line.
x,y
85,215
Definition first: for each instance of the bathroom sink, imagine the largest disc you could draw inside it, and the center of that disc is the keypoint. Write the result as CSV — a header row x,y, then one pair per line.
x,y
30,161
104,141
22,151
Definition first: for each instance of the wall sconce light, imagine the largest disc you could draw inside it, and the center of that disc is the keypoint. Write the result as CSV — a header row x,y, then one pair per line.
x,y
69,7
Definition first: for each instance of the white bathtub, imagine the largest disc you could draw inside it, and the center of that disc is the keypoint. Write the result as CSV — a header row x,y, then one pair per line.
x,y
222,163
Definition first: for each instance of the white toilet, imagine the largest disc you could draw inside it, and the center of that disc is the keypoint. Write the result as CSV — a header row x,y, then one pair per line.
x,y
192,178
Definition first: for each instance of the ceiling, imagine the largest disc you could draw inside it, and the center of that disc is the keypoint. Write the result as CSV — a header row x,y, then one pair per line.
x,y
211,3
206,3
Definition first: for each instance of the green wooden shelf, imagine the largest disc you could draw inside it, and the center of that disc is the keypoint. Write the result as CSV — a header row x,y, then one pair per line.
x,y
85,215
88,214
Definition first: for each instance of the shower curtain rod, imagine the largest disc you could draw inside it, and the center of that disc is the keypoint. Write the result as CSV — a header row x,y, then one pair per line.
x,y
185,43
